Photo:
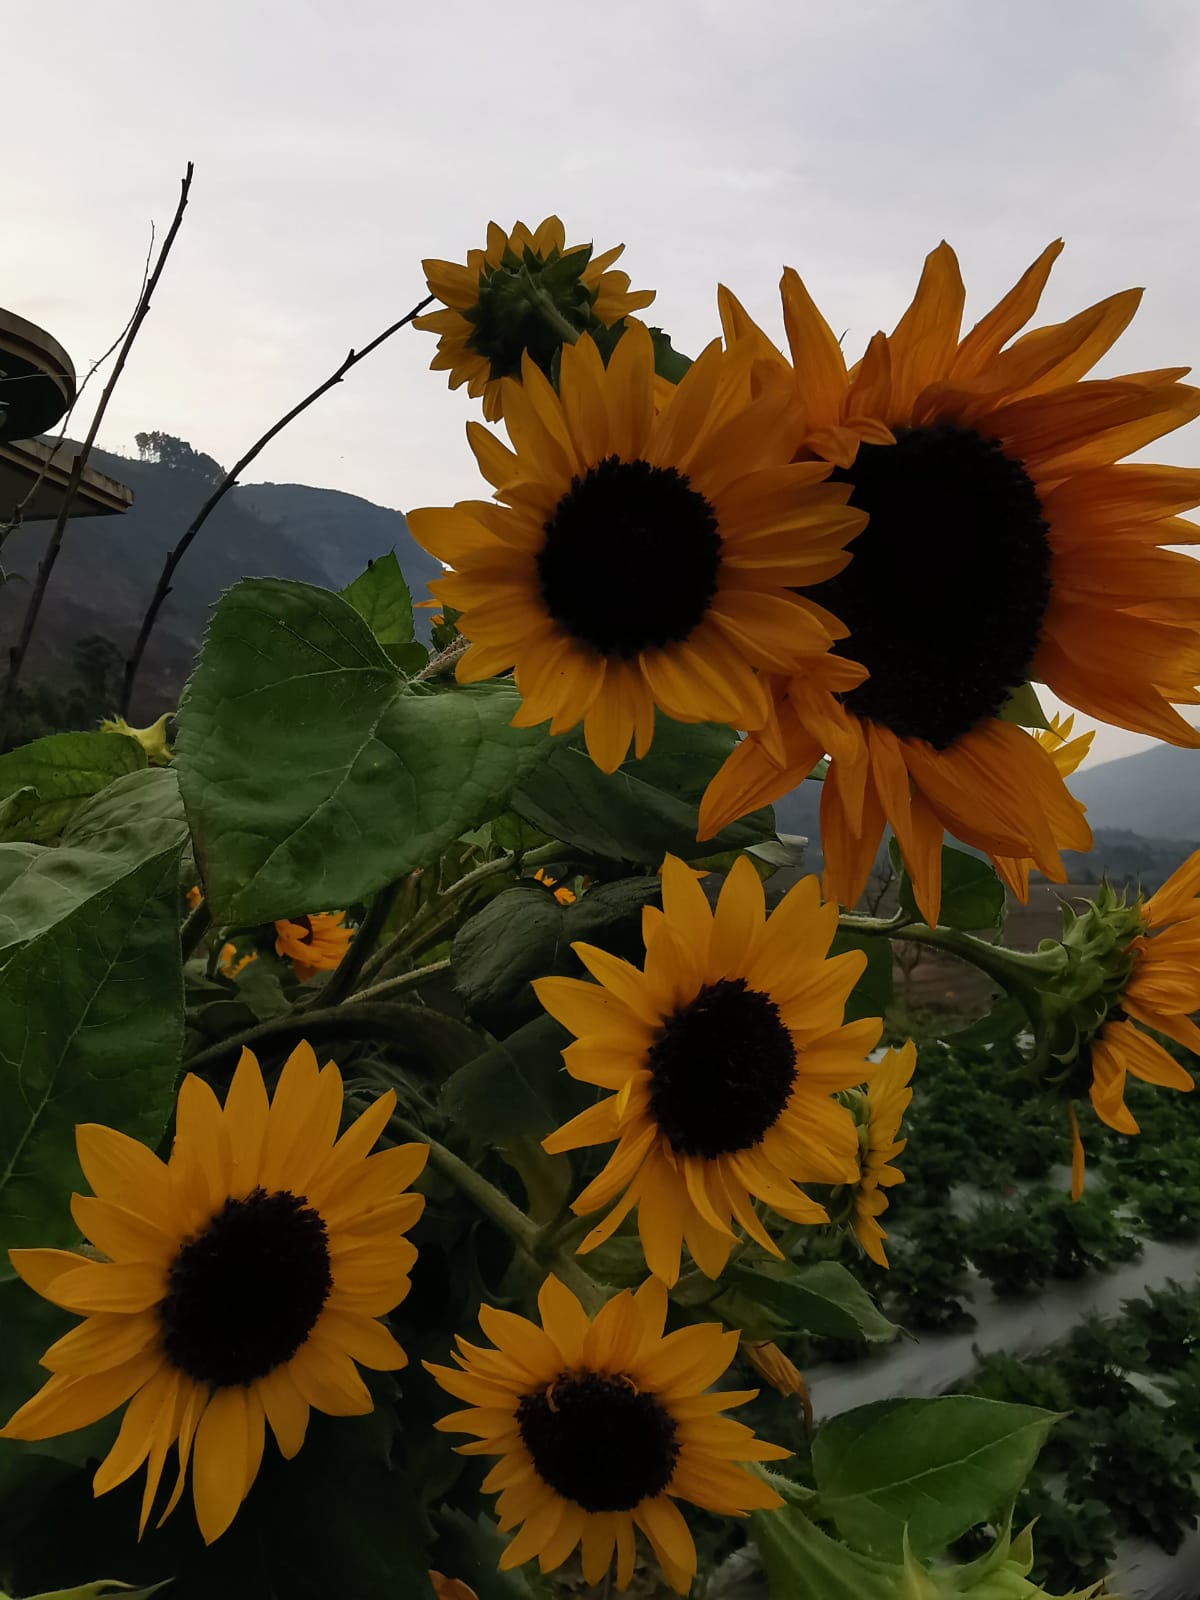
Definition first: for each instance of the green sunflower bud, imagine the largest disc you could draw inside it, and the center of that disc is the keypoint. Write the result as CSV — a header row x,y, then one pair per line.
x,y
1001,1573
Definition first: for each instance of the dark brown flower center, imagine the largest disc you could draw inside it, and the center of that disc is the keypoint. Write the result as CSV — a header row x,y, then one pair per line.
x,y
722,1070
947,586
245,1292
631,558
598,1441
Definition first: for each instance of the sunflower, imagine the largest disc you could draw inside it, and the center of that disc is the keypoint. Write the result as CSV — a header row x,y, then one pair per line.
x,y
244,1279
313,944
526,292
884,1104
194,897
564,896
601,1424
229,963
1067,755
1161,993
723,1057
1007,543
641,558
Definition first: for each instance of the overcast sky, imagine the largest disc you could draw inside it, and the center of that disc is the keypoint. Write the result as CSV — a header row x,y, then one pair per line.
x,y
338,143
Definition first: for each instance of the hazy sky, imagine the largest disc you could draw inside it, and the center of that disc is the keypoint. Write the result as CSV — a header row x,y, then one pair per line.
x,y
338,143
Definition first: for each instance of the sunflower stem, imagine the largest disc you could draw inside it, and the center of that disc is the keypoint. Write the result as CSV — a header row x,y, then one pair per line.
x,y
1011,969
390,985
439,915
346,974
486,1196
545,307
197,924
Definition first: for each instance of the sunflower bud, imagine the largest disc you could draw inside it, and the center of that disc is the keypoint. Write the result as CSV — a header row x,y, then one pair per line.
x,y
1002,1573
1097,947
153,739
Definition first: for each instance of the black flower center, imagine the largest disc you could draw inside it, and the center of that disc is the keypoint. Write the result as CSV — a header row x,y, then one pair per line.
x,y
596,1440
722,1069
244,1293
631,558
947,586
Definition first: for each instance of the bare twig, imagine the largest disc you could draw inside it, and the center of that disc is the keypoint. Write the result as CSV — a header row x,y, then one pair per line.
x,y
163,588
18,510
46,566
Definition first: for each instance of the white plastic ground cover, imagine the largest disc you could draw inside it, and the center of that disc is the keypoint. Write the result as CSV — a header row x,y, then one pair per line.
x,y
936,1363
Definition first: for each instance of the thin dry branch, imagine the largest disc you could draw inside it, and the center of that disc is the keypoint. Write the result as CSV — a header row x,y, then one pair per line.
x,y
163,587
18,510
19,651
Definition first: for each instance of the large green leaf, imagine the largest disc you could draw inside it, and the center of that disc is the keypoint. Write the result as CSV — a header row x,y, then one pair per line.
x,y
65,769
91,1026
824,1299
872,994
519,1085
644,809
313,772
524,934
109,837
380,596
972,895
936,1467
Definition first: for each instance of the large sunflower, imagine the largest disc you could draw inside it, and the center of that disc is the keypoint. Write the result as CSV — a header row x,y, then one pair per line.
x,y
642,558
601,1424
1006,544
886,1100
723,1057
1161,993
525,292
243,1280
1067,754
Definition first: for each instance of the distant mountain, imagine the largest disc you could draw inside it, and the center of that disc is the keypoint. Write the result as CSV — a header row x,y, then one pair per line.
x,y
108,566
1156,793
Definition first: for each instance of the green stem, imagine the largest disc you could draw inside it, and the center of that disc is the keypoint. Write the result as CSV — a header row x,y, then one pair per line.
x,y
197,924
1010,968
439,915
350,1019
545,307
886,926
476,1187
404,981
366,937
511,1218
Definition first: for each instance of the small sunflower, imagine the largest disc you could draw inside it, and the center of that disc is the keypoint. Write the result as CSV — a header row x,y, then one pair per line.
x,y
313,944
244,1278
769,1361
641,559
229,963
601,1424
564,896
885,1102
723,1056
526,292
1067,754
1007,542
1161,993
194,896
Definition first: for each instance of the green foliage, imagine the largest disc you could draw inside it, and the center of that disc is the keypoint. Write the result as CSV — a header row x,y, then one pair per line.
x,y
973,898
381,598
76,697
643,810
91,1023
824,1299
313,774
63,771
924,1470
